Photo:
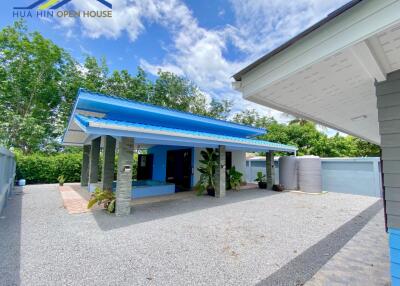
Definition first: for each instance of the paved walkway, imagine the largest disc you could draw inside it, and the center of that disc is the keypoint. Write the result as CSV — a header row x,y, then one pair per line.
x,y
364,260
243,239
73,201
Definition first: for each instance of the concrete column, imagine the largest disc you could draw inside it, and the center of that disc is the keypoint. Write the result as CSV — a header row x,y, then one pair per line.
x,y
220,173
107,176
85,166
388,102
270,171
94,161
124,176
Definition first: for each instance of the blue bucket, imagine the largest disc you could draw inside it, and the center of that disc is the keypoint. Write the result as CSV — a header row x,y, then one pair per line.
x,y
21,182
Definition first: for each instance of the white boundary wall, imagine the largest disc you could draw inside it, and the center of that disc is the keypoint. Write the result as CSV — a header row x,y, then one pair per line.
x,y
7,175
359,176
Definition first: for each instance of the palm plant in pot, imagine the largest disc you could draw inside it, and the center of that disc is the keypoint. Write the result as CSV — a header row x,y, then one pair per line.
x,y
209,163
61,180
262,181
234,179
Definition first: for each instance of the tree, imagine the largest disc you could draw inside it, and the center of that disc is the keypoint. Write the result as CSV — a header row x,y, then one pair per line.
x,y
305,135
219,109
31,73
39,82
253,118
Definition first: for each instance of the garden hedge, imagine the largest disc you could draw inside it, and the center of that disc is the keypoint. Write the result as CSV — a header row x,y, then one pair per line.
x,y
40,168
45,168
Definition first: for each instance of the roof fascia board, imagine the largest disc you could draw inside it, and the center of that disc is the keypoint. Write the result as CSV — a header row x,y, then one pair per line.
x,y
102,129
169,112
300,114
71,117
362,51
366,19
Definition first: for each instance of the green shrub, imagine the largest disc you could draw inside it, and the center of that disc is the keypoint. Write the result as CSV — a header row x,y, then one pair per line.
x,y
105,198
46,168
41,168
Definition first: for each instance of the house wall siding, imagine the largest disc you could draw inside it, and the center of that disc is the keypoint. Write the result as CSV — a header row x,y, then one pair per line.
x,y
388,103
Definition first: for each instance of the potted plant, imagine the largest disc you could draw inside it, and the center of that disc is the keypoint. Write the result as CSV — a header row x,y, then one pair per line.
x,y
278,188
61,180
103,197
261,179
207,170
234,179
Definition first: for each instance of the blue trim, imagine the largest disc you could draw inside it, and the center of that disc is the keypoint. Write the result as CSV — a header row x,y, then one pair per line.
x,y
394,244
249,144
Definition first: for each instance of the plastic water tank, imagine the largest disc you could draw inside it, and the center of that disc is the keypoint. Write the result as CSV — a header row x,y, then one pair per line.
x,y
288,172
309,172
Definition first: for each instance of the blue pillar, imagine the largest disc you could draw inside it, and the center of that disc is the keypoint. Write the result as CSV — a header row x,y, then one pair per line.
x,y
394,244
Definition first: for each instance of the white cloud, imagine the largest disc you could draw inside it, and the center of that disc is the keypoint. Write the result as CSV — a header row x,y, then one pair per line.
x,y
197,52
154,69
262,25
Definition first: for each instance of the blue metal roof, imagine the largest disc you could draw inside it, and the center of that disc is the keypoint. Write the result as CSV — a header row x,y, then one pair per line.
x,y
150,134
121,109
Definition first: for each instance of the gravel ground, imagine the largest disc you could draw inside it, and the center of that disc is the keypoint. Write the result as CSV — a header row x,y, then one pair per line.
x,y
239,240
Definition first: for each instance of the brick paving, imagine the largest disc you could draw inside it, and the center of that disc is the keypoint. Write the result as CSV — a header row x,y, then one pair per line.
x,y
73,202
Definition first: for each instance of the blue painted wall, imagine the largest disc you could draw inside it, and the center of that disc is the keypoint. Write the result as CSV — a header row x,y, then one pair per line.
x,y
394,244
160,160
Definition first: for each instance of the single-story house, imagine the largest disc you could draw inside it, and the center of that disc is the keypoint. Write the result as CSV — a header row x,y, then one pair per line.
x,y
168,143
343,72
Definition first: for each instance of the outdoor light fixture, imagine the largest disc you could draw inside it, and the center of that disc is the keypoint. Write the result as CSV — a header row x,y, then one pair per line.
x,y
127,169
357,118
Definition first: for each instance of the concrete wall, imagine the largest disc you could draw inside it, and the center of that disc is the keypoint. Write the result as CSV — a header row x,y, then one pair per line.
x,y
238,160
255,166
360,176
7,175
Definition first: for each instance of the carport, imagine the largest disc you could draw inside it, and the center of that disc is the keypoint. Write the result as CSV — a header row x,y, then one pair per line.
x,y
344,73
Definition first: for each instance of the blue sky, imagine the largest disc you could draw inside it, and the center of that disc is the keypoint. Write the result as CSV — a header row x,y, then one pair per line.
x,y
205,41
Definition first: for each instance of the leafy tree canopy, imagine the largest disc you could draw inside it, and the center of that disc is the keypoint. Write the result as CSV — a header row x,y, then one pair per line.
x,y
305,135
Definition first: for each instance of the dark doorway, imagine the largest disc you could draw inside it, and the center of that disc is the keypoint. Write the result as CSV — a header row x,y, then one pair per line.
x,y
145,167
179,169
228,160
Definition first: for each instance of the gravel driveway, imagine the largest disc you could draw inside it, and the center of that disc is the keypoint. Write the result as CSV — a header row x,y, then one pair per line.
x,y
243,239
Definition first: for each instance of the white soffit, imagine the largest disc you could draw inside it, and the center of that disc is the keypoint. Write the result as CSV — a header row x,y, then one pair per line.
x,y
329,76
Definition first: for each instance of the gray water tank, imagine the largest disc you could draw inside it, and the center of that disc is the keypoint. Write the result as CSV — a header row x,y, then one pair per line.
x,y
288,172
309,173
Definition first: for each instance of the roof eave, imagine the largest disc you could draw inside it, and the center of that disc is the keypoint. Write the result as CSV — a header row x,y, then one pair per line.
x,y
284,46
